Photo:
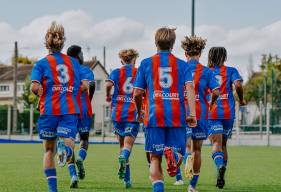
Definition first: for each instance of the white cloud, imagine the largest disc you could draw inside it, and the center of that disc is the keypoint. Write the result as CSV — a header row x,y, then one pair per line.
x,y
119,33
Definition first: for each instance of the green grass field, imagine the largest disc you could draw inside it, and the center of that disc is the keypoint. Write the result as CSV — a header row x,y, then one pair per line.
x,y
250,169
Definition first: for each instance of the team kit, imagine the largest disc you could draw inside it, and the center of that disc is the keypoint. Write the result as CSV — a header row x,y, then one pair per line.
x,y
178,104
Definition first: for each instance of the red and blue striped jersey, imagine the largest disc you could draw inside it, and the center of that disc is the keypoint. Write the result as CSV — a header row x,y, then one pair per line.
x,y
163,78
83,97
60,77
225,106
203,81
123,105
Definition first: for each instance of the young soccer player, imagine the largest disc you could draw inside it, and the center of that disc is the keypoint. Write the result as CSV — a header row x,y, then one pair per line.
x,y
222,115
163,78
204,81
124,113
57,79
85,118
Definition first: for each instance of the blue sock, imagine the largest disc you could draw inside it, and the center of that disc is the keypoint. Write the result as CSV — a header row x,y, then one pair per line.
x,y
69,152
72,170
225,163
194,180
82,153
51,175
176,156
185,157
158,186
126,153
178,175
218,158
127,173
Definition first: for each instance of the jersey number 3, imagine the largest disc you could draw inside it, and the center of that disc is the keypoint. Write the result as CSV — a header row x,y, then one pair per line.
x,y
165,77
63,76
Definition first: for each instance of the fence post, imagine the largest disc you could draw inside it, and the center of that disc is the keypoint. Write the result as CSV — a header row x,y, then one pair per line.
x,y
102,126
31,122
9,122
260,118
237,123
268,125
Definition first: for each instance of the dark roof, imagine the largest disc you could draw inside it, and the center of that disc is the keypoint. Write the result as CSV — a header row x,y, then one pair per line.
x,y
94,63
6,72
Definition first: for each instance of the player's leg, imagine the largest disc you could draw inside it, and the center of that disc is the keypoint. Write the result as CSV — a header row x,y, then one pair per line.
x,y
66,131
47,131
131,132
49,164
188,157
215,136
175,148
225,152
84,124
154,144
196,152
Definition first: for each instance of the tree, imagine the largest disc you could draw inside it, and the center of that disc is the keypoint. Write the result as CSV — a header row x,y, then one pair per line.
x,y
28,97
26,60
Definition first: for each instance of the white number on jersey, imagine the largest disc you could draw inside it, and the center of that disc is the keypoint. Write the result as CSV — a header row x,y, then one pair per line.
x,y
128,86
165,78
63,73
219,79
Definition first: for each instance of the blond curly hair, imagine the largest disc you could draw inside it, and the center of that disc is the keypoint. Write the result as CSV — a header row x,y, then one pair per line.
x,y
54,38
127,55
193,45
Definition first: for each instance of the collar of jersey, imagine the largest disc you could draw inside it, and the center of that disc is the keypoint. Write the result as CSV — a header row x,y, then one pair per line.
x,y
193,61
164,52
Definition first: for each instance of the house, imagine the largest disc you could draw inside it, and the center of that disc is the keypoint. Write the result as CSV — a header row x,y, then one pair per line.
x,y
101,109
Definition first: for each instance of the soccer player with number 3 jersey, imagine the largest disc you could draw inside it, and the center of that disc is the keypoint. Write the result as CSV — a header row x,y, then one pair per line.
x,y
204,82
57,79
221,117
163,79
126,126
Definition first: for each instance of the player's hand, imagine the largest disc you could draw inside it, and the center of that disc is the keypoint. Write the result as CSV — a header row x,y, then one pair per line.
x,y
40,91
242,103
191,121
108,98
140,117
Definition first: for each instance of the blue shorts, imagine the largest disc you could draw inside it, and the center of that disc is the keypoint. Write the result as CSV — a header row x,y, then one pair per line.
x,y
156,139
200,132
188,132
84,125
221,126
124,129
52,126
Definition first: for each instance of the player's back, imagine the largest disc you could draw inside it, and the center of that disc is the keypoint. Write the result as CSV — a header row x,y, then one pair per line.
x,y
123,106
203,81
164,77
59,75
225,106
83,97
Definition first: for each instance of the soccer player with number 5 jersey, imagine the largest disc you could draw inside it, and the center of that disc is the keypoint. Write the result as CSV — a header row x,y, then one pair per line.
x,y
221,117
124,113
57,79
163,79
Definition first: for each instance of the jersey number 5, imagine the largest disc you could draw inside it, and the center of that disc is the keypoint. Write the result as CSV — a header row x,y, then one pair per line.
x,y
128,86
63,76
165,77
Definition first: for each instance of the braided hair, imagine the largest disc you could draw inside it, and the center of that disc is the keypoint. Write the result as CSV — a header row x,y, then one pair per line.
x,y
217,56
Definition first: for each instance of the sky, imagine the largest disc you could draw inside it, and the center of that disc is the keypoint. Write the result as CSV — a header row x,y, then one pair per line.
x,y
247,28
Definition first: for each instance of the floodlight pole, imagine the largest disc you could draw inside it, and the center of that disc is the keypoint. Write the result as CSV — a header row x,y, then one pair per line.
x,y
192,17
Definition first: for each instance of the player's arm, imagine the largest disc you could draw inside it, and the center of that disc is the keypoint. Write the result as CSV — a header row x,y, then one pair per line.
x,y
191,119
84,86
240,92
92,88
36,79
36,88
214,96
138,97
108,88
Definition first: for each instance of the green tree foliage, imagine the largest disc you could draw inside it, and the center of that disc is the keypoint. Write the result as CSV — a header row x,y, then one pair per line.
x,y
26,60
28,97
269,76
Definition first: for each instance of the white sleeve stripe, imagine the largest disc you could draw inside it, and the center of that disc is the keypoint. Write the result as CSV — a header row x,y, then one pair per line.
x,y
110,80
215,88
36,81
139,88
